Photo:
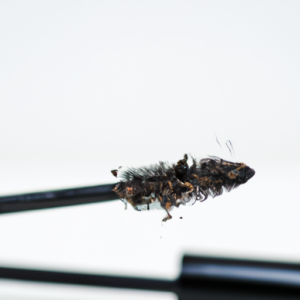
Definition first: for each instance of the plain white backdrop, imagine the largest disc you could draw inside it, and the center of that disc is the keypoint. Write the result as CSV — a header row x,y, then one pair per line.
x,y
87,86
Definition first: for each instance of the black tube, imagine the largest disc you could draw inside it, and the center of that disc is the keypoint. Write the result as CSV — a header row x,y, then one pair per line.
x,y
225,278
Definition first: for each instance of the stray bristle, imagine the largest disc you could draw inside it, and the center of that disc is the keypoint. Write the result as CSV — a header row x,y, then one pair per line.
x,y
115,172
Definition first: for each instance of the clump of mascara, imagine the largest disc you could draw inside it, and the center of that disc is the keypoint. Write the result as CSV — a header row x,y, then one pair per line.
x,y
166,186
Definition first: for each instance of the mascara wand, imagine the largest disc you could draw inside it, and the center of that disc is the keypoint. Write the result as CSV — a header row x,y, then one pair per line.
x,y
57,198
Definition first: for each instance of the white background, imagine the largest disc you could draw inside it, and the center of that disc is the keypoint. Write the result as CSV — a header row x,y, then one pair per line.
x,y
87,86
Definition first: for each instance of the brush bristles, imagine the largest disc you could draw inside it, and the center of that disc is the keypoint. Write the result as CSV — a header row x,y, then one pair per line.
x,y
173,185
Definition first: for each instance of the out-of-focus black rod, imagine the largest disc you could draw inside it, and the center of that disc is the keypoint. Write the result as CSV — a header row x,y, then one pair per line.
x,y
58,198
87,279
205,285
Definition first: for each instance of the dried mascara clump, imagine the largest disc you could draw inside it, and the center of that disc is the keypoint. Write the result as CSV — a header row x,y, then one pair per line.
x,y
166,186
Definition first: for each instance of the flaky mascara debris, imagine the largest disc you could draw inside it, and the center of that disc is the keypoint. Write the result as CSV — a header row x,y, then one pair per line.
x,y
165,186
